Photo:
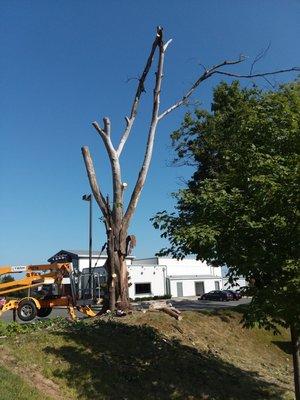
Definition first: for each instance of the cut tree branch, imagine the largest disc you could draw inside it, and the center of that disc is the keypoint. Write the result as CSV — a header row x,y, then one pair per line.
x,y
105,136
106,122
93,180
139,91
115,166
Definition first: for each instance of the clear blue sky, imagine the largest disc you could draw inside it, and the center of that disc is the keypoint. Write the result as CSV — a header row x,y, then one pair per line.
x,y
65,63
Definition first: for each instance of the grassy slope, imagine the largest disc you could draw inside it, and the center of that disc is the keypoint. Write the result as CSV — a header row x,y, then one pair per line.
x,y
14,388
152,356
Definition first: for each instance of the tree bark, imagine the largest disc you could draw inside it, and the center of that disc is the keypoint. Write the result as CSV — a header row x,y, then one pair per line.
x,y
295,338
124,296
112,273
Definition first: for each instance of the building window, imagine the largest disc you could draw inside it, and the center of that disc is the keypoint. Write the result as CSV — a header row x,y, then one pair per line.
x,y
143,288
217,285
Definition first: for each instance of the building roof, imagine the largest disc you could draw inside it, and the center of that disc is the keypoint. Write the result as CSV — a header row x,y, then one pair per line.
x,y
192,277
69,254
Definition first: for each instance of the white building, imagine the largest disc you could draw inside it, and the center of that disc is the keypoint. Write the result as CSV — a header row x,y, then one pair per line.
x,y
182,278
147,280
156,276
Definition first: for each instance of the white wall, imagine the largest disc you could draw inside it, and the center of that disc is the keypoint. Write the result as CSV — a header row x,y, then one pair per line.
x,y
84,262
153,274
186,266
188,286
145,261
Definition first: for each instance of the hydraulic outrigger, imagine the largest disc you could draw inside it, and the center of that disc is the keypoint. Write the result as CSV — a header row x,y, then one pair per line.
x,y
63,288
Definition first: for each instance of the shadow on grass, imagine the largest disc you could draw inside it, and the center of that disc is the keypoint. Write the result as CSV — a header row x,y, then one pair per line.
x,y
111,360
284,346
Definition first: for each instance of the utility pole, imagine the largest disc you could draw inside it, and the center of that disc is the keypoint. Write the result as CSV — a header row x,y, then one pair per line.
x,y
88,197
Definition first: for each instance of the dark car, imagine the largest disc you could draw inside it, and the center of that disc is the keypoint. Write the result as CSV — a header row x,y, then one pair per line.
x,y
235,295
217,295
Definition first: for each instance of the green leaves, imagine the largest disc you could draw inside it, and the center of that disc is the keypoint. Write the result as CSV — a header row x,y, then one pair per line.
x,y
240,207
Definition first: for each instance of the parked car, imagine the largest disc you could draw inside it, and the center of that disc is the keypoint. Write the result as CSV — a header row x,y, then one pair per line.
x,y
217,295
236,295
2,301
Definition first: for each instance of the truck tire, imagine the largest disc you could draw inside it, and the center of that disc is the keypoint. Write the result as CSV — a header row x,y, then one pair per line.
x,y
27,310
44,312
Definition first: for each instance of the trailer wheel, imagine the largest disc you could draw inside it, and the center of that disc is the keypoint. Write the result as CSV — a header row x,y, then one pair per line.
x,y
44,312
27,310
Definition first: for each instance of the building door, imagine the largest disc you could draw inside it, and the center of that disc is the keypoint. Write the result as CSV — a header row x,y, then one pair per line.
x,y
168,286
199,288
179,289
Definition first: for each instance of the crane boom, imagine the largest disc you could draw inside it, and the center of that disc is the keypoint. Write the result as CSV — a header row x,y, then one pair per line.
x,y
35,275
44,274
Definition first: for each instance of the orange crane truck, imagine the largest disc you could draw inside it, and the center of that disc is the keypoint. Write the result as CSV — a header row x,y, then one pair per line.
x,y
48,286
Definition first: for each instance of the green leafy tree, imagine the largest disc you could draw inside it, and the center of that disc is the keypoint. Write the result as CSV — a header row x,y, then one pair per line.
x,y
240,207
19,293
6,279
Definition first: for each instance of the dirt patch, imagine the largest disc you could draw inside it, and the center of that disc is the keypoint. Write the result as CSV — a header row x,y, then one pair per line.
x,y
32,377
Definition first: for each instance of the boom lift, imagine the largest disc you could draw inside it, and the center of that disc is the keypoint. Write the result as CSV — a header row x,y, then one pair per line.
x,y
50,286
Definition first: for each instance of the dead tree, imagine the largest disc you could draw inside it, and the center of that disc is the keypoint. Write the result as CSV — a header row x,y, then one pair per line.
x,y
116,217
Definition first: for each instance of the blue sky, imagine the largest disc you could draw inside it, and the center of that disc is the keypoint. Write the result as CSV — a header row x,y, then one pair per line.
x,y
65,63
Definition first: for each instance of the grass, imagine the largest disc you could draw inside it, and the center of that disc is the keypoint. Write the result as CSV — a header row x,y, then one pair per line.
x,y
152,356
14,388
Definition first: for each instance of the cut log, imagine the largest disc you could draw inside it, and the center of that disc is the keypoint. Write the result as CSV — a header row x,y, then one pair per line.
x,y
171,312
164,307
156,305
175,310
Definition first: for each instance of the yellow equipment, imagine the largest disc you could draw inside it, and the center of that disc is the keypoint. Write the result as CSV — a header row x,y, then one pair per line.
x,y
49,286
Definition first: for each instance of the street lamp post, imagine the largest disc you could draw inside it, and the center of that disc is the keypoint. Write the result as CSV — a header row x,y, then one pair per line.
x,y
88,197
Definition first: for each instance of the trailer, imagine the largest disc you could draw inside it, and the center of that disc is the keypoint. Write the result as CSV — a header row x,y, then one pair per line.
x,y
49,286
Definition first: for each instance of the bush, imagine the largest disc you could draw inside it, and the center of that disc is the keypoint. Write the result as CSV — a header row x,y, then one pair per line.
x,y
13,328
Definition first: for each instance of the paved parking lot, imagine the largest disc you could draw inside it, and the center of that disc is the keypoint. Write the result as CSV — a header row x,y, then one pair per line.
x,y
186,304
183,304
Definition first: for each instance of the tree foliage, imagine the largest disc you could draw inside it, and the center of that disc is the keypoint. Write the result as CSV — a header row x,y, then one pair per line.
x,y
6,279
240,207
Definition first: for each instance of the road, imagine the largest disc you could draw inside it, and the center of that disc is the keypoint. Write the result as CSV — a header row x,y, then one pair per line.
x,y
182,304
189,304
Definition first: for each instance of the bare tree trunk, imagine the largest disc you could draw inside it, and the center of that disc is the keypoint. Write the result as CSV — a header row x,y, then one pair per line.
x,y
124,295
112,273
120,256
295,338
